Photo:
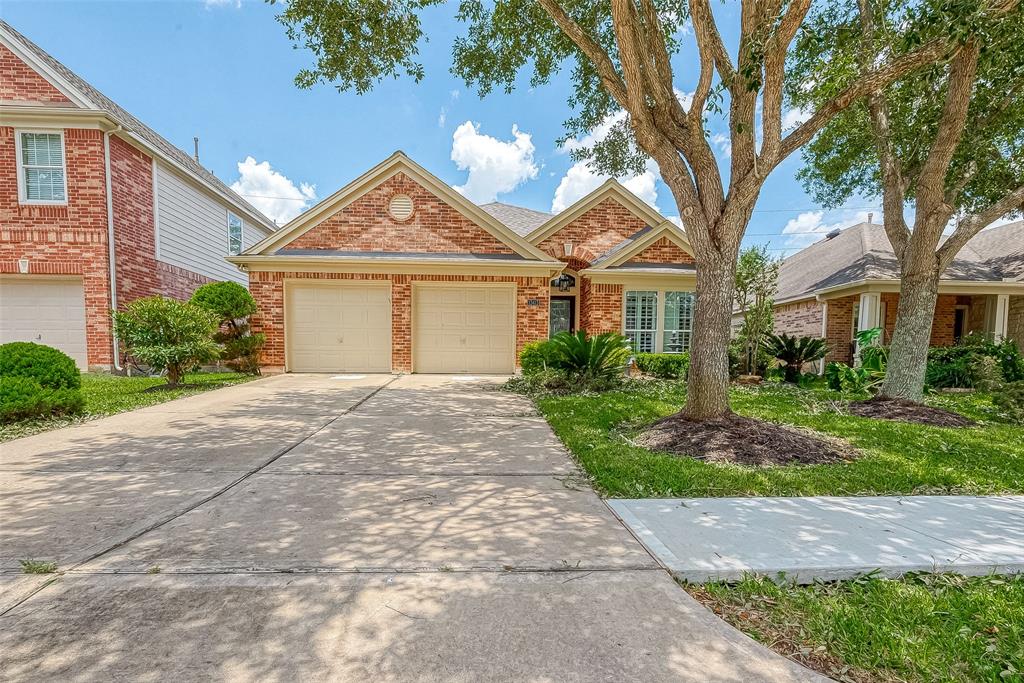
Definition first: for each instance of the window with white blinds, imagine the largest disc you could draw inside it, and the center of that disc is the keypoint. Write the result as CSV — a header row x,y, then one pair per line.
x,y
234,234
659,321
41,175
641,324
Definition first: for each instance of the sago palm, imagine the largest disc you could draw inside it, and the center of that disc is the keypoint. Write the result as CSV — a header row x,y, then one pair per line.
x,y
794,352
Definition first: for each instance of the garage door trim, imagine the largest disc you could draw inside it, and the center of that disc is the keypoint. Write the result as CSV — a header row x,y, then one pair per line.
x,y
289,284
81,334
448,284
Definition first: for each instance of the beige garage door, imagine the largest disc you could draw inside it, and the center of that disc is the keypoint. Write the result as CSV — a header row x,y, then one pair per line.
x,y
338,328
50,312
463,328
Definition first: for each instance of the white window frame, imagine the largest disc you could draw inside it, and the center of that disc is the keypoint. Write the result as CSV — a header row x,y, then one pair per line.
x,y
241,234
657,316
20,166
659,329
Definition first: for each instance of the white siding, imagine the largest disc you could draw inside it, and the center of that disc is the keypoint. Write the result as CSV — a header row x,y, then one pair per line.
x,y
192,229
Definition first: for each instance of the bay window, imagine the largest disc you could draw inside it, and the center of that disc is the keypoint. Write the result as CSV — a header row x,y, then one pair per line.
x,y
658,321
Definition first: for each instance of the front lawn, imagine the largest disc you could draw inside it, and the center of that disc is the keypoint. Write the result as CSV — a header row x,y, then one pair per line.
x,y
926,627
108,394
898,458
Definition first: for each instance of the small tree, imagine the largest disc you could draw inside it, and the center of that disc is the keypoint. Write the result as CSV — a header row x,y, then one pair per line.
x,y
168,335
794,352
233,304
757,280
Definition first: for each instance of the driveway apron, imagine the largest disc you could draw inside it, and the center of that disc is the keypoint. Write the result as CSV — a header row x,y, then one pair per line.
x,y
345,527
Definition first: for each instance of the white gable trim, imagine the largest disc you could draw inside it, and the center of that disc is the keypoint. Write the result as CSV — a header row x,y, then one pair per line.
x,y
666,229
396,163
609,189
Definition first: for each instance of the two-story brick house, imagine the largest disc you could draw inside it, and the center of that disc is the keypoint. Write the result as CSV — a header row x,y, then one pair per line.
x,y
97,209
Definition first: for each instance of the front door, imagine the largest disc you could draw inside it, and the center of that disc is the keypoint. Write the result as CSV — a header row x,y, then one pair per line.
x,y
562,317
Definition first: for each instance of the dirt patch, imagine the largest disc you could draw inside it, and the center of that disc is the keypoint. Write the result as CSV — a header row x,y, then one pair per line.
x,y
743,441
903,410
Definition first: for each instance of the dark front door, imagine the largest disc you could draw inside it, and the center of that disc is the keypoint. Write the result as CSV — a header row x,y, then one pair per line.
x,y
562,317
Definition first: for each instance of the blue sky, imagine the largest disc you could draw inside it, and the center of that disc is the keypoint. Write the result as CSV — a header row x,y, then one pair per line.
x,y
223,70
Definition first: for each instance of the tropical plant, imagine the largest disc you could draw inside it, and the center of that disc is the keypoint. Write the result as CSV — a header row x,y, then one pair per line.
x,y
587,358
842,377
620,57
49,367
168,335
946,142
233,304
794,352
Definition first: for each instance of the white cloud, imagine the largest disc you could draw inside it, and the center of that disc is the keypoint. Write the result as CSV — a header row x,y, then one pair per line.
x,y
272,192
581,180
442,117
810,226
209,4
794,117
723,143
495,166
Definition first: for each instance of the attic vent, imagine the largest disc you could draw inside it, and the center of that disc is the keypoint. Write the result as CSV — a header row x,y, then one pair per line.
x,y
400,207
833,234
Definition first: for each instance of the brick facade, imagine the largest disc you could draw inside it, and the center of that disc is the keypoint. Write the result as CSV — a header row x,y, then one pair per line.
x,y
595,232
19,83
663,250
600,307
1015,328
268,290
802,318
366,225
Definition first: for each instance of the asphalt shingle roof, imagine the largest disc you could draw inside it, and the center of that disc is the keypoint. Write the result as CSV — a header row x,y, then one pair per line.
x,y
129,122
863,252
521,220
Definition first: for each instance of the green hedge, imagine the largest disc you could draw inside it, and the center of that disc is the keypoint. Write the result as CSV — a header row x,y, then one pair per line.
x,y
23,398
664,365
538,356
960,365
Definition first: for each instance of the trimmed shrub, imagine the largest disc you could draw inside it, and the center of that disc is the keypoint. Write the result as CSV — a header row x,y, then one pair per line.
x,y
23,398
959,366
50,368
664,365
168,335
233,304
1010,399
537,356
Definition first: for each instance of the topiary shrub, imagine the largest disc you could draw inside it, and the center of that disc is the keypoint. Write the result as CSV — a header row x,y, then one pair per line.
x,y
664,365
49,367
23,398
537,356
168,335
233,304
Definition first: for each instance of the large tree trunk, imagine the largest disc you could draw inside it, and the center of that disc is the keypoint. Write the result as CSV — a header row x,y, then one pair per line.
x,y
708,384
908,354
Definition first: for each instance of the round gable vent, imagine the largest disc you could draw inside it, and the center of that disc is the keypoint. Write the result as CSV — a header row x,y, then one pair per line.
x,y
400,207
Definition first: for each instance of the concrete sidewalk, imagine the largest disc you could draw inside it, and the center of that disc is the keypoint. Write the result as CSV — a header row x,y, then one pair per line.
x,y
702,539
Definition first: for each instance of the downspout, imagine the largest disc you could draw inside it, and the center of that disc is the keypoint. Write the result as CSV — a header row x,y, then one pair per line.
x,y
111,254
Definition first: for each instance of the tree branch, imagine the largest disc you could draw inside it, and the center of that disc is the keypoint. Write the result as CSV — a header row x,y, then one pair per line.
x,y
973,224
774,73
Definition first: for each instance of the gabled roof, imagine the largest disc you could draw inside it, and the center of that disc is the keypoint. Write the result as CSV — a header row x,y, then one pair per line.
x,y
521,219
86,96
609,189
637,242
862,252
396,163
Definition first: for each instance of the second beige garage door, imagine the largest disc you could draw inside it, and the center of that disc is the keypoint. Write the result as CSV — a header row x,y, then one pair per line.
x,y
338,327
463,328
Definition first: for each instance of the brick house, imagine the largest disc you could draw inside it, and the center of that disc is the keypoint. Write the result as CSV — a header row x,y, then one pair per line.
x,y
850,281
397,272
96,209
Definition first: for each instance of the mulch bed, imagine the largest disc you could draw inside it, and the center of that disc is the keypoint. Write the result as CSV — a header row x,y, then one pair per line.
x,y
884,408
743,441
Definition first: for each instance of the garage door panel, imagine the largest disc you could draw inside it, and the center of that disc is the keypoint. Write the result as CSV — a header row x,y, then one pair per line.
x,y
464,328
339,328
50,312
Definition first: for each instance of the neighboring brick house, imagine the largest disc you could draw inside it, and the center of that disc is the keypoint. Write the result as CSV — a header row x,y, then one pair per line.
x,y
76,170
397,272
850,281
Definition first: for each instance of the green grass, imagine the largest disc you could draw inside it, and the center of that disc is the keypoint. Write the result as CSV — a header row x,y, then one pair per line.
x,y
38,567
110,394
924,627
898,458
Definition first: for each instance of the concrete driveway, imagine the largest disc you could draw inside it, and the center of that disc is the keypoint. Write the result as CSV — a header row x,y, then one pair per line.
x,y
310,527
